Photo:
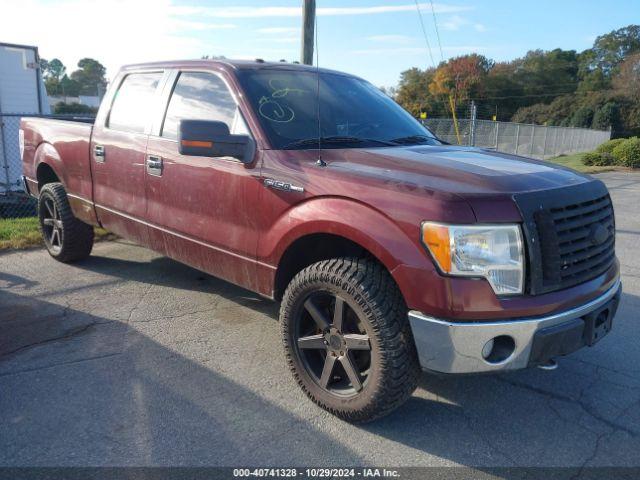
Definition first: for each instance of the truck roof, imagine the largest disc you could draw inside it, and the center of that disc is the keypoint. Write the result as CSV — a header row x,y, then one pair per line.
x,y
230,63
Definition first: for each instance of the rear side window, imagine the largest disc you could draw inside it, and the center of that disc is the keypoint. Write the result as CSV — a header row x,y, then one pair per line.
x,y
134,102
201,96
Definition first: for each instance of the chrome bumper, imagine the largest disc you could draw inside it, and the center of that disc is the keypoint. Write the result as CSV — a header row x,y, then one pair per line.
x,y
454,347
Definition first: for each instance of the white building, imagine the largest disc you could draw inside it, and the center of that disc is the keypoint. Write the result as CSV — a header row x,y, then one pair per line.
x,y
22,92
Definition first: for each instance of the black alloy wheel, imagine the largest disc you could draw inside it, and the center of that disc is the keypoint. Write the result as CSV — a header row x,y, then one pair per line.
x,y
52,226
333,344
67,239
347,338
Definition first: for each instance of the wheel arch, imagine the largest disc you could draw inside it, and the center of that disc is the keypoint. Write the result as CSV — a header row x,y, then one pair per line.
x,y
339,227
312,248
48,165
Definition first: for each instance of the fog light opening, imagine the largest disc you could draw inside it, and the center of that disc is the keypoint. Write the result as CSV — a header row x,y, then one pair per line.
x,y
602,317
498,349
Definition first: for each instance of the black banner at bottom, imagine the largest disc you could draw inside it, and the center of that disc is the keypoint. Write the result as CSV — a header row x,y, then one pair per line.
x,y
418,473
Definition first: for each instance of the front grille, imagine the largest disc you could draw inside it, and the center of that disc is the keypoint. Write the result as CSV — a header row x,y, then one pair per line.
x,y
570,235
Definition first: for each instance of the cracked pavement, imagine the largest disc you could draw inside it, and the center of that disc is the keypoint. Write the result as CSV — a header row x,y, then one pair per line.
x,y
130,358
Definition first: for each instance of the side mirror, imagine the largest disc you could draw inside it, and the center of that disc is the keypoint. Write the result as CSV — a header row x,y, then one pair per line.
x,y
206,138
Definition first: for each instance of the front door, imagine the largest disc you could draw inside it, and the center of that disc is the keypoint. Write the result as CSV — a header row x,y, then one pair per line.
x,y
201,210
118,147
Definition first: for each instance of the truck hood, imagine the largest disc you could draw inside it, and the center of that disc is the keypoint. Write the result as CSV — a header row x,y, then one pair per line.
x,y
463,171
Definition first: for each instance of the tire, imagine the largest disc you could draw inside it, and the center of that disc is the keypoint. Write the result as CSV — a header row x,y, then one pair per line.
x,y
325,348
67,239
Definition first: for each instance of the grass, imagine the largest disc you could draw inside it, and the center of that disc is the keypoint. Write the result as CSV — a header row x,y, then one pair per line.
x,y
575,161
19,233
16,233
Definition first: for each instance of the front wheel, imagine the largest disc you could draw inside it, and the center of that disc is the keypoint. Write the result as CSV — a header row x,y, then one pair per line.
x,y
67,239
347,338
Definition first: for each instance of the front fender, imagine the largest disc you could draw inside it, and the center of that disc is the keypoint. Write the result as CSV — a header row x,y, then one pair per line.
x,y
392,244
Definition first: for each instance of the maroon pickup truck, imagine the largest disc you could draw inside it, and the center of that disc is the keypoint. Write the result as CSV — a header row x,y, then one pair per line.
x,y
390,251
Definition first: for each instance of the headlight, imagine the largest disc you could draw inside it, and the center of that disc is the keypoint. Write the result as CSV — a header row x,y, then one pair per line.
x,y
494,252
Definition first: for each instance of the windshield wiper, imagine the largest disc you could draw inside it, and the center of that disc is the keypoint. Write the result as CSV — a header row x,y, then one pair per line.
x,y
335,139
412,139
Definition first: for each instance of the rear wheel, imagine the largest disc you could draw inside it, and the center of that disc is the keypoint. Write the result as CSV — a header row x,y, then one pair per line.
x,y
347,338
67,239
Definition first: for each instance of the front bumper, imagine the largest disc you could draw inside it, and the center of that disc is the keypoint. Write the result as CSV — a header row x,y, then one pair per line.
x,y
457,347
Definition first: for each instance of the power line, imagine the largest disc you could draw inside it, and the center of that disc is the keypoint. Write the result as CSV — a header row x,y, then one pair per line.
x,y
435,24
424,31
552,94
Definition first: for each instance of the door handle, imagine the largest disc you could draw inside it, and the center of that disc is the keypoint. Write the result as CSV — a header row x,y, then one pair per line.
x,y
154,165
98,153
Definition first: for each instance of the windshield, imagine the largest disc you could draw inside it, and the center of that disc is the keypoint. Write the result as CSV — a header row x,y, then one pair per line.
x,y
353,113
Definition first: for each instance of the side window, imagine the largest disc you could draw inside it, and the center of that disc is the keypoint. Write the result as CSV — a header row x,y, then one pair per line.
x,y
201,96
133,102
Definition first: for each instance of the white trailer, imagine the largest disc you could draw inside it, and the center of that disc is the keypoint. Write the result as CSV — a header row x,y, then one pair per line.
x,y
22,93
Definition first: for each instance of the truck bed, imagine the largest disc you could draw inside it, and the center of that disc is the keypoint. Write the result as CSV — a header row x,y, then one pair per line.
x,y
63,145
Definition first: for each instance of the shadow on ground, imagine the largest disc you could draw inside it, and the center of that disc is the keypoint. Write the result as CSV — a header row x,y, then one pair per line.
x,y
123,398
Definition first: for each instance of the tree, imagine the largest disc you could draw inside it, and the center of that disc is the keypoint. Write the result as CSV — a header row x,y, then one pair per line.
x,y
554,113
627,80
90,77
607,116
69,87
413,91
597,88
582,117
460,78
56,69
553,73
67,108
611,49
503,91
52,72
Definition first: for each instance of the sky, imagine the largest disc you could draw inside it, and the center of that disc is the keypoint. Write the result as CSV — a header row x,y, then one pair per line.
x,y
375,39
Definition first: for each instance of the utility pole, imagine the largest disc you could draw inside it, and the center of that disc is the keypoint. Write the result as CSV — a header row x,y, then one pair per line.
x,y
308,24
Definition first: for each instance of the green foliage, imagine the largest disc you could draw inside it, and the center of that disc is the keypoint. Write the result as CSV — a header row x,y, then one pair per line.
x,y
611,49
413,92
627,153
606,116
89,79
596,88
16,233
596,159
90,76
19,232
582,117
53,72
69,87
576,162
554,113
540,73
608,146
70,108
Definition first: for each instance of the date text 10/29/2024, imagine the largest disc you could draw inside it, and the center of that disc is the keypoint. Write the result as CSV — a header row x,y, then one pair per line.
x,y
315,472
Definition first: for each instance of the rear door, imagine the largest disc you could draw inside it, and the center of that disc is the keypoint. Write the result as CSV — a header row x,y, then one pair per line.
x,y
202,210
118,149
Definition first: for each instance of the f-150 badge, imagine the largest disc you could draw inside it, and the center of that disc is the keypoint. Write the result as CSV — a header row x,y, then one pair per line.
x,y
284,186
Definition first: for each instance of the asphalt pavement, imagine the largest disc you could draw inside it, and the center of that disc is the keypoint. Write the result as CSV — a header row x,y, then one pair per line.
x,y
129,358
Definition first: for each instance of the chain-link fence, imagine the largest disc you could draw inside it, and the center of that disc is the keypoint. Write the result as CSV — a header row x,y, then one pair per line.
x,y
536,141
521,139
13,201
